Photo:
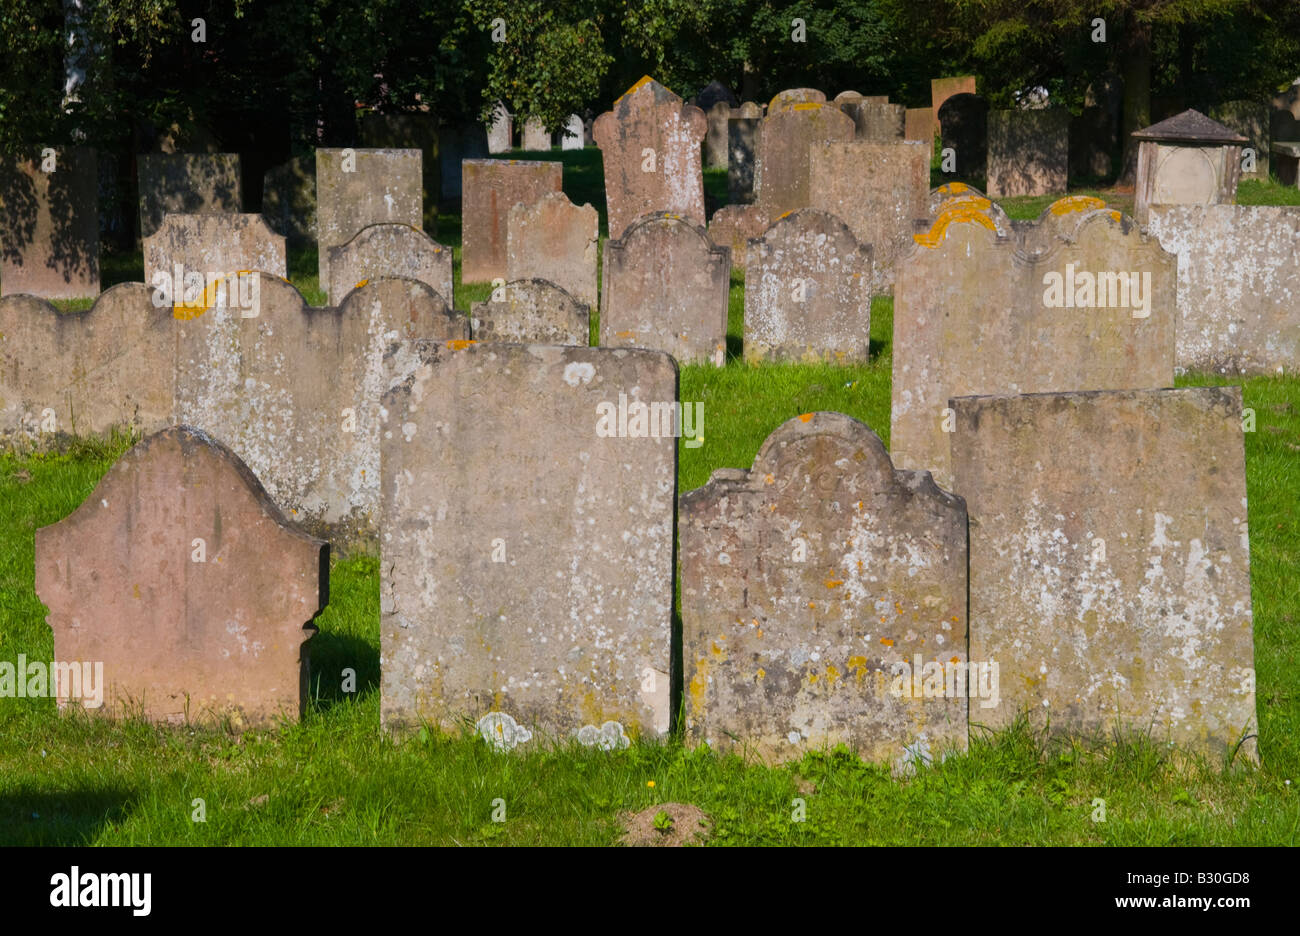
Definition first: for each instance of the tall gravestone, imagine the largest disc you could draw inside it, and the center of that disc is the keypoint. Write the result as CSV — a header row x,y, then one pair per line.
x,y
532,311
785,138
187,584
359,187
49,224
919,126
492,188
1110,562
554,239
573,136
742,150
666,286
973,315
500,131
963,128
417,130
457,143
808,291
186,183
1029,152
289,200
388,250
824,601
715,141
527,544
537,139
943,88
650,143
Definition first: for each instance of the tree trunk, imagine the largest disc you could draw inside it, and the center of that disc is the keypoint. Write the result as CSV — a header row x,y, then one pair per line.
x,y
1135,64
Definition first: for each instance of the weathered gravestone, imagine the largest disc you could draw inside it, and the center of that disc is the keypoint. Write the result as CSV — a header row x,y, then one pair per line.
x,y
537,138
824,601
1188,159
665,286
963,128
527,544
943,88
420,131
1284,114
784,139
650,143
501,130
294,391
289,200
878,122
84,373
973,315
918,126
965,198
390,250
1060,219
573,137
216,246
1249,119
554,239
718,118
49,224
491,189
1109,561
1028,152
792,96
359,187
186,183
808,291
532,311
457,143
742,151
878,190
735,226
1238,286
187,584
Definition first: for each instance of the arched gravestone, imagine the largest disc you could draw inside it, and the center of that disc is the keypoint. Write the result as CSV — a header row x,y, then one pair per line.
x,y
215,242
963,126
784,100
182,577
814,585
532,311
713,93
650,142
390,250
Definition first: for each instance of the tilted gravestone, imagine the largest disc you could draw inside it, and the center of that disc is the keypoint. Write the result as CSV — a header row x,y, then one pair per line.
x,y
84,373
49,224
356,188
289,200
554,239
491,188
666,286
294,391
1238,286
532,311
824,601
212,245
1028,152
974,315
390,250
527,545
781,174
1109,561
877,189
650,143
963,128
808,291
186,586
186,183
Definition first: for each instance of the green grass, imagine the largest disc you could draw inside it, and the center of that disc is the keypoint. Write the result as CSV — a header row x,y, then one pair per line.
x,y
336,779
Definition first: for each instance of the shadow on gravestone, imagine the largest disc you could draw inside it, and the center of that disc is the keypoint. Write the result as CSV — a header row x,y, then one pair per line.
x,y
963,127
289,200
49,224
186,183
411,131
1028,152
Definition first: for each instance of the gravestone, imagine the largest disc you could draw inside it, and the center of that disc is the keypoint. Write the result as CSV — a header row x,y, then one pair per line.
x,y
792,96
1092,141
1238,286
650,144
1109,562
532,311
814,587
963,127
573,137
537,139
918,126
527,544
784,139
1284,115
715,141
845,100
49,224
216,246
879,122
186,183
878,190
1187,159
501,130
294,391
420,131
735,226
492,188
391,250
1028,152
84,373
742,149
289,200
808,292
456,144
714,92
665,285
1249,119
943,88
974,315
356,188
187,584
554,239
963,199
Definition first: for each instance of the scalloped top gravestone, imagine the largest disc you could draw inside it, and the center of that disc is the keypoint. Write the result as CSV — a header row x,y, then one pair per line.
x,y
390,250
185,585
532,311
213,245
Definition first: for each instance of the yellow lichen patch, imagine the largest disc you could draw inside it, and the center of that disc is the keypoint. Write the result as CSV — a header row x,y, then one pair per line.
x,y
832,674
833,582
887,641
805,417
954,187
625,334
812,604
1115,215
960,215
808,105
955,660
460,344
812,677
360,284
768,479
1064,206
760,633
859,666
761,672
978,202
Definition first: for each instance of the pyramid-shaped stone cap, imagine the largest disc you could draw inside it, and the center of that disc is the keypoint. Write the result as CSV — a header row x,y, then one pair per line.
x,y
1191,126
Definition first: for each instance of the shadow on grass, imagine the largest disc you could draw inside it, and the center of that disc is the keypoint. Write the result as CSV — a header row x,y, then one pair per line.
x,y
331,654
32,817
